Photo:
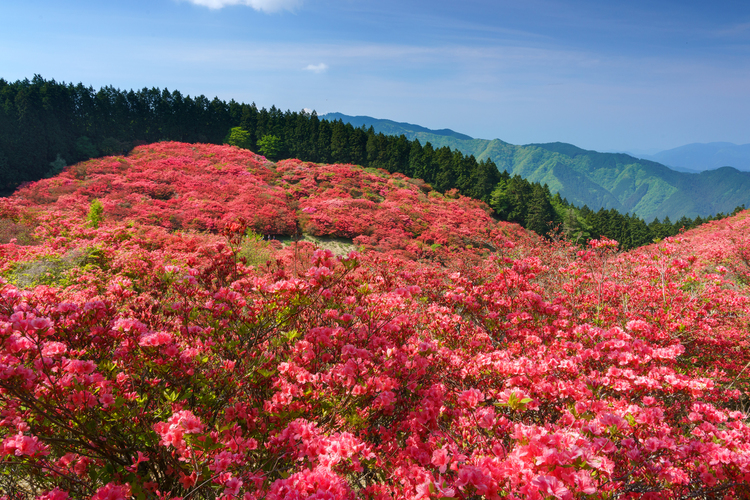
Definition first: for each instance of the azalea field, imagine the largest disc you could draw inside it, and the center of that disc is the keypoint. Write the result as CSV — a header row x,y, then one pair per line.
x,y
197,322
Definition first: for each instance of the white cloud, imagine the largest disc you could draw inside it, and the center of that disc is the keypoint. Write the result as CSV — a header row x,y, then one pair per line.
x,y
317,68
267,6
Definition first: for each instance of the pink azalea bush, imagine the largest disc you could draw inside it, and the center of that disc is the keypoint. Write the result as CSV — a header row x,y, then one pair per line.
x,y
453,357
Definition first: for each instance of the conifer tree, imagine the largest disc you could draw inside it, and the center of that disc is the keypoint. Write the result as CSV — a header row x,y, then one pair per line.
x,y
540,216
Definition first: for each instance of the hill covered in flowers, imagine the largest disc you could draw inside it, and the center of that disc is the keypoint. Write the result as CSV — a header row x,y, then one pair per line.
x,y
167,330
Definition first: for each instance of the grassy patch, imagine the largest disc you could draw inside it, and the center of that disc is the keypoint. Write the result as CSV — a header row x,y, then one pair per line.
x,y
53,270
339,246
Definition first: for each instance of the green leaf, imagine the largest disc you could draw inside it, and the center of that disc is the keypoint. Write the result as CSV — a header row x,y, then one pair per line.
x,y
292,334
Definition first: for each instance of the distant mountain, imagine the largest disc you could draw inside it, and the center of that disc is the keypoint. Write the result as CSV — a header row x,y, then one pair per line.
x,y
389,127
700,157
599,180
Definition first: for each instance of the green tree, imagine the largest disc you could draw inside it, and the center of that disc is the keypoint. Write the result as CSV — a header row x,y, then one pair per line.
x,y
270,146
398,154
510,198
239,137
85,149
572,228
376,149
417,165
541,215
358,146
96,212
340,142
8,177
445,175
323,143
249,118
57,166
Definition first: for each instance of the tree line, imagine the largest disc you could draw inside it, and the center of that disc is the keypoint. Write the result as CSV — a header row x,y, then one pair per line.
x,y
46,125
534,207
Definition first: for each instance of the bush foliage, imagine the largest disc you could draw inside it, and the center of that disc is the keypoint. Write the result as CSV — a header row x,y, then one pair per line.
x,y
187,350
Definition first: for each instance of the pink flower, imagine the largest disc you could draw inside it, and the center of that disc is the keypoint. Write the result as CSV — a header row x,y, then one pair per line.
x,y
440,459
471,398
56,494
319,483
155,339
232,486
142,457
41,324
180,423
189,422
20,445
550,485
188,481
79,367
709,479
112,491
106,399
652,444
53,349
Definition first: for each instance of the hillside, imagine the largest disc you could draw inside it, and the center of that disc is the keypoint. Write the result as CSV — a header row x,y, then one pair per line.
x,y
167,330
178,187
46,125
389,127
598,180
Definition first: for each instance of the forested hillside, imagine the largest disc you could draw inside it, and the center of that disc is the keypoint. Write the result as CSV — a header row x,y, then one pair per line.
x,y
410,130
598,180
46,125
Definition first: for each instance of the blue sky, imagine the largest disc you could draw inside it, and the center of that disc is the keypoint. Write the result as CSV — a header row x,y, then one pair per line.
x,y
634,75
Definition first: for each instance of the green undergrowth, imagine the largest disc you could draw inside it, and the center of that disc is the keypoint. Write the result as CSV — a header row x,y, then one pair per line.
x,y
339,246
255,249
21,232
57,271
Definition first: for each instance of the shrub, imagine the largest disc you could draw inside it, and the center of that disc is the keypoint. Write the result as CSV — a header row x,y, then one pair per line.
x,y
96,211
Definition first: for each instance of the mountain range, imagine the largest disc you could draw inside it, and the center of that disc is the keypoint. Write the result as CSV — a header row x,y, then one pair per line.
x,y
645,187
699,157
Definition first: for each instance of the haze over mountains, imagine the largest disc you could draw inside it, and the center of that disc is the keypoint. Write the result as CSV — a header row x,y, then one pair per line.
x,y
645,187
699,157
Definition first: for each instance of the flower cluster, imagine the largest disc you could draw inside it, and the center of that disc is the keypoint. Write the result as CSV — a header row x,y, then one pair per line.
x,y
141,361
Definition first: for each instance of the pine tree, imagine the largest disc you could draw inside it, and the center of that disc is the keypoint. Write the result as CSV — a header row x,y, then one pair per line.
x,y
340,142
417,166
541,215
572,228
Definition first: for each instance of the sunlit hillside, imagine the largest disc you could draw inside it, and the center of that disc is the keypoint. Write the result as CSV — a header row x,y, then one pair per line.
x,y
195,321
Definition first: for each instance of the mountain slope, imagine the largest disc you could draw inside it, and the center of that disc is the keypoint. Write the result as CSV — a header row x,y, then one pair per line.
x,y
181,187
599,180
390,127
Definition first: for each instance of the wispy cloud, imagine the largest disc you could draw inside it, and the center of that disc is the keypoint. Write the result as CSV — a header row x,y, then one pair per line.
x,y
267,6
519,93
317,68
